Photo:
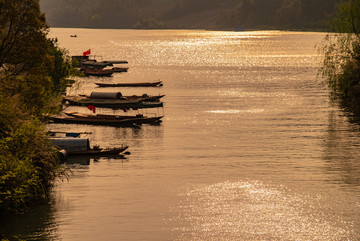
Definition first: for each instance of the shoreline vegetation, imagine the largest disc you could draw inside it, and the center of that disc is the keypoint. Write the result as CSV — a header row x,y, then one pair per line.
x,y
33,73
341,49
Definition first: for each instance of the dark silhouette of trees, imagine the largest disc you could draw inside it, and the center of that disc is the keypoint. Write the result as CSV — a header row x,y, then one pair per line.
x,y
251,14
22,30
342,55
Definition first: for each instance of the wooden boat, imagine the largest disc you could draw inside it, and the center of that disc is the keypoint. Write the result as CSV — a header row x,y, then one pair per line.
x,y
119,69
66,133
81,146
140,84
112,103
136,119
100,151
112,62
98,72
118,95
92,64
90,120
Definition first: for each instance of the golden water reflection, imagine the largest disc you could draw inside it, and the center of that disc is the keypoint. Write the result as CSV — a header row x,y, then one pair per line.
x,y
247,150
249,210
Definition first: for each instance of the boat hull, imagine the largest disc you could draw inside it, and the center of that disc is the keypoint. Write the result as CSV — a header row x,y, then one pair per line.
x,y
99,152
95,121
137,119
140,84
114,103
98,72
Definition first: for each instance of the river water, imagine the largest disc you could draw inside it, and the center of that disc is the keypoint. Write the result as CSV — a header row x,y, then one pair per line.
x,y
250,148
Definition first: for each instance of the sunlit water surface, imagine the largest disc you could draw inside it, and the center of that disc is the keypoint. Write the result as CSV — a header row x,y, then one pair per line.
x,y
251,148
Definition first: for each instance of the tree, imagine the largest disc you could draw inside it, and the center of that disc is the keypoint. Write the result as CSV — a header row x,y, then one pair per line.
x,y
31,66
33,72
341,63
22,35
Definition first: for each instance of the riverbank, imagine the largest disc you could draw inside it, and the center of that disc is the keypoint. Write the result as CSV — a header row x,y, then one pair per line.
x,y
33,73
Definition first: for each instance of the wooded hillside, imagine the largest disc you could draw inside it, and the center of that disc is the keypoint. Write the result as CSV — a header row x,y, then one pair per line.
x,y
190,14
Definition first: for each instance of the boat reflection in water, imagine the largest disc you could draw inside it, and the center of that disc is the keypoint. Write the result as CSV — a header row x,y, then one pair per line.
x,y
79,161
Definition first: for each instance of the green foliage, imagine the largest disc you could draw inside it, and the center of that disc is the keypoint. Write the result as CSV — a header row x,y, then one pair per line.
x,y
22,27
58,67
348,18
28,166
33,73
12,238
341,64
11,114
38,91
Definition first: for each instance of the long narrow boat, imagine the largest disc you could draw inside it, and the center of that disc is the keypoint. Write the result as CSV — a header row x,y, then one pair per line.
x,y
112,103
100,151
98,72
139,84
95,121
136,119
120,69
118,95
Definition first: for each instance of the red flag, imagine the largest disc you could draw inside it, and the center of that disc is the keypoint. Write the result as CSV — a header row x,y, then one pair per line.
x,y
87,52
92,108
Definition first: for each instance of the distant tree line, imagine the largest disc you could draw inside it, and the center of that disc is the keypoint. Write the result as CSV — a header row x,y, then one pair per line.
x,y
281,14
228,14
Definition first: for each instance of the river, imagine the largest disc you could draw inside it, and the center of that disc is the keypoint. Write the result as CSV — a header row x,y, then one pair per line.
x,y
250,148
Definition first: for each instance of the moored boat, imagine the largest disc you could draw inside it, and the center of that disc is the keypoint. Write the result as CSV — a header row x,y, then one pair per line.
x,y
118,95
89,120
136,119
112,103
98,72
135,84
81,146
120,69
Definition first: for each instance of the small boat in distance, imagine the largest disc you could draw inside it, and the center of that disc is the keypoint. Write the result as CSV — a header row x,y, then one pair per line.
x,y
135,84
